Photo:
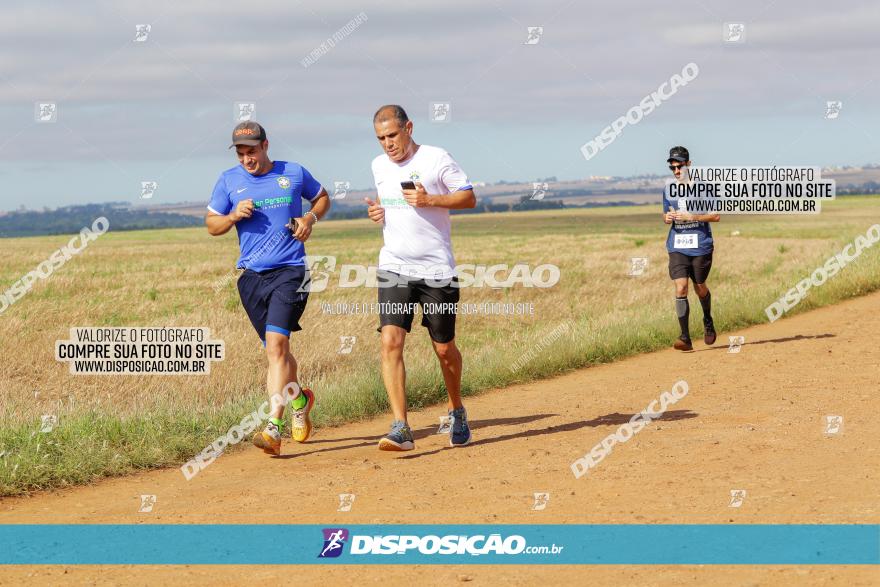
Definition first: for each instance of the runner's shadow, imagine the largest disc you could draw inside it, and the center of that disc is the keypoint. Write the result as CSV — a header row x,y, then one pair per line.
x,y
428,431
417,434
771,341
328,449
614,419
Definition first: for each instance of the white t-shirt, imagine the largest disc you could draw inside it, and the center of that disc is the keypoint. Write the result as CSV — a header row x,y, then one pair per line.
x,y
417,240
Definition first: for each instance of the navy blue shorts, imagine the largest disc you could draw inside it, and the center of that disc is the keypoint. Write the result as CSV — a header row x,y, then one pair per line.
x,y
271,299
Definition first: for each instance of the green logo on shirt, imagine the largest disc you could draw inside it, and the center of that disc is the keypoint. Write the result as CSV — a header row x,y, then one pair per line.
x,y
273,202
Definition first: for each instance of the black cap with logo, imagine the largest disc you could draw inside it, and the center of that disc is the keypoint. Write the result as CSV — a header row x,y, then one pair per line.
x,y
248,133
679,154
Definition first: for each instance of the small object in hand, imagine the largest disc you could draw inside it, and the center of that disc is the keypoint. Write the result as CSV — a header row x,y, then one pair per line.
x,y
407,185
293,225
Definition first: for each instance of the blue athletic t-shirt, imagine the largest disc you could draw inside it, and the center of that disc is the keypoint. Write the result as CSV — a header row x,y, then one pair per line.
x,y
688,238
264,240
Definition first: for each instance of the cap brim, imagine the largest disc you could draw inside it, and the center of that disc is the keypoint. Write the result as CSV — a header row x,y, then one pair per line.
x,y
679,159
248,143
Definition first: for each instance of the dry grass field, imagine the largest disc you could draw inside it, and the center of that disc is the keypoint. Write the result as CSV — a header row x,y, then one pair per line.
x,y
113,424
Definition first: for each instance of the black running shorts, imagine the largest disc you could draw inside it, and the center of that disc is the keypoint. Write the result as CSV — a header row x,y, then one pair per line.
x,y
397,305
696,268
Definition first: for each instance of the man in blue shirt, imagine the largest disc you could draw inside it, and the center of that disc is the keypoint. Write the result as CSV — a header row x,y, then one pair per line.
x,y
263,200
690,247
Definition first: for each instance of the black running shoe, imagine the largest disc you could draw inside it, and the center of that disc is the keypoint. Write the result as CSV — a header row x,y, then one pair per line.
x,y
460,432
683,344
710,334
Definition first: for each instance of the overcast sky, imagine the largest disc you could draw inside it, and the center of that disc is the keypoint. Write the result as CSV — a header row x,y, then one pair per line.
x,y
163,109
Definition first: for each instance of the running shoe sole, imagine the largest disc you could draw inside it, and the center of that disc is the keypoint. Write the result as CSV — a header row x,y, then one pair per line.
x,y
390,445
467,442
260,441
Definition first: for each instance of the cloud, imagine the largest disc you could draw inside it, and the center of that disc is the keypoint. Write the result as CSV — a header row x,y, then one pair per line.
x,y
172,96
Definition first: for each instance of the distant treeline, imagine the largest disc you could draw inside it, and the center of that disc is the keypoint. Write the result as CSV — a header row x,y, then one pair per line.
x,y
342,211
870,187
72,219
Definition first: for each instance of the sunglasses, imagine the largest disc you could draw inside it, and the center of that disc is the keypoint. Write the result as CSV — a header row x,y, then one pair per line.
x,y
677,167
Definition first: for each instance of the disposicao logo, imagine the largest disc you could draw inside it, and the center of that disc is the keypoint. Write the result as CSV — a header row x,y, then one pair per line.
x,y
433,544
334,540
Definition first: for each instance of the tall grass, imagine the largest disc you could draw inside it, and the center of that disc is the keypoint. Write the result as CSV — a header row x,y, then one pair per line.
x,y
113,425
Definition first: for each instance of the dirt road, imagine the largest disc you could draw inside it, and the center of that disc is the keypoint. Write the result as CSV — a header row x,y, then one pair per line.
x,y
753,420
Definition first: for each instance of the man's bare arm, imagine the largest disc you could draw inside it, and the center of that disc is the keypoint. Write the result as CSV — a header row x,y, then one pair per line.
x,y
457,200
221,223
688,217
320,206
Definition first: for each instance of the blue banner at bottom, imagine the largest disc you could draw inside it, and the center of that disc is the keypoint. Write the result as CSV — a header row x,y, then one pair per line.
x,y
601,544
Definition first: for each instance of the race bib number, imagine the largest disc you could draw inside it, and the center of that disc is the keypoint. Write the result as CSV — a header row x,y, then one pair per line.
x,y
686,241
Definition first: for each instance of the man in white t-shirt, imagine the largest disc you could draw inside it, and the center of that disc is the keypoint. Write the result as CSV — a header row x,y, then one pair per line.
x,y
417,186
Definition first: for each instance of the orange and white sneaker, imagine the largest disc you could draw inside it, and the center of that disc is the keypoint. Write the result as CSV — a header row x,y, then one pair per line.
x,y
300,423
269,439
